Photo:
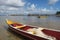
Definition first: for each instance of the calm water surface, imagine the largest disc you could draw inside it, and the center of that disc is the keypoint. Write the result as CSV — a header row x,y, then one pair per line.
x,y
50,22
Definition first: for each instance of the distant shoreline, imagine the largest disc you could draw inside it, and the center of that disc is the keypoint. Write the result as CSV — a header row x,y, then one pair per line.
x,y
29,15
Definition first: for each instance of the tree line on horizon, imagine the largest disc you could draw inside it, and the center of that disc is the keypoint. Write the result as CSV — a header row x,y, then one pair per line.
x,y
58,13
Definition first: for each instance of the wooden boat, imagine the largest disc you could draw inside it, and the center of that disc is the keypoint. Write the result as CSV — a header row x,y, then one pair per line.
x,y
33,32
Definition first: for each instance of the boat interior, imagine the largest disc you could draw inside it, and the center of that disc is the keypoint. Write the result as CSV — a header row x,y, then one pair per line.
x,y
22,27
38,31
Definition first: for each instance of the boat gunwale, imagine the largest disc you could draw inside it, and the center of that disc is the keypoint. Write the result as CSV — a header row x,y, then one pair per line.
x,y
27,33
22,31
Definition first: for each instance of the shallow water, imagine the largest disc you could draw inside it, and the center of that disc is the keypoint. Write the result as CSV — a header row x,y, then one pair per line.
x,y
49,22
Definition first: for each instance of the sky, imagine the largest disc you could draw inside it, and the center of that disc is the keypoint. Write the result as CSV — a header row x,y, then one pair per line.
x,y
29,6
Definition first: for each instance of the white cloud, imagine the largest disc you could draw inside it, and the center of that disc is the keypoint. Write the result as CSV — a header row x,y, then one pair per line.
x,y
45,10
53,1
12,2
32,7
16,2
12,8
7,8
42,11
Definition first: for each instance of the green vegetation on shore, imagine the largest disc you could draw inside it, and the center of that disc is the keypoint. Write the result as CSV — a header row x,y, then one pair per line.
x,y
58,13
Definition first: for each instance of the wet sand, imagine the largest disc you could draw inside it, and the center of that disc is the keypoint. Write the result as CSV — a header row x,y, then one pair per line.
x,y
5,34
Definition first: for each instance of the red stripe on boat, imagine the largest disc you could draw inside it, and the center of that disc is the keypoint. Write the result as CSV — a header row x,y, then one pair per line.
x,y
52,33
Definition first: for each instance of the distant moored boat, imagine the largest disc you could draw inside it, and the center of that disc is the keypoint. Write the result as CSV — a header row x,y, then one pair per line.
x,y
42,16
